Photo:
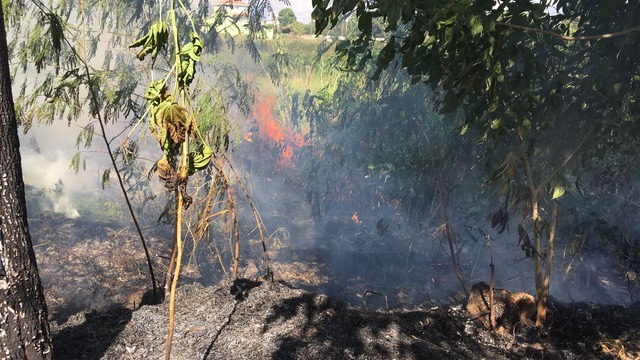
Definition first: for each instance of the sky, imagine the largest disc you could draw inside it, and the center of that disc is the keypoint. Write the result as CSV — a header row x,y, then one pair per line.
x,y
302,8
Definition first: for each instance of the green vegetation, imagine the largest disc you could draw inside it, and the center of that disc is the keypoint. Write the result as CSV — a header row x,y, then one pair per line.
x,y
553,91
286,17
444,109
72,89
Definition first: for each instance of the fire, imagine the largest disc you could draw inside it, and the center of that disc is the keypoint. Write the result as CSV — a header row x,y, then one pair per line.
x,y
248,136
274,133
287,153
298,140
268,127
355,218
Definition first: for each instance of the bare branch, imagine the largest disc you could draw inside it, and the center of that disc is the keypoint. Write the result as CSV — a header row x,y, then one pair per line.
x,y
570,38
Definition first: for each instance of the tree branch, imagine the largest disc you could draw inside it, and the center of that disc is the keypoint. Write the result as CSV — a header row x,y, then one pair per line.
x,y
564,163
570,38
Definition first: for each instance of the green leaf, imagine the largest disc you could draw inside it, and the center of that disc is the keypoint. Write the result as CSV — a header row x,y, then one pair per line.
x,y
464,129
106,178
450,102
85,137
476,25
429,40
342,46
447,22
558,191
617,87
365,24
75,162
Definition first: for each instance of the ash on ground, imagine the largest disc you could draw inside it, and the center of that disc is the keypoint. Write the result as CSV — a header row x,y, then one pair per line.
x,y
270,320
91,274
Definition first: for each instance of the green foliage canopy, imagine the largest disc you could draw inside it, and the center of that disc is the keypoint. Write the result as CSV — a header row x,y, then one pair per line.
x,y
508,65
286,17
550,81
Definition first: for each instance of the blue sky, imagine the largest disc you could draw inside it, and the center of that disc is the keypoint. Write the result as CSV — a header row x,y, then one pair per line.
x,y
302,8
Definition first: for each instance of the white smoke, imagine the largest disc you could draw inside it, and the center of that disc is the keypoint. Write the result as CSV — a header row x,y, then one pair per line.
x,y
46,152
50,175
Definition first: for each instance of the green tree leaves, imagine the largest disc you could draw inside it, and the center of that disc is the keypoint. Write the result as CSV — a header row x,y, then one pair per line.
x,y
286,17
551,86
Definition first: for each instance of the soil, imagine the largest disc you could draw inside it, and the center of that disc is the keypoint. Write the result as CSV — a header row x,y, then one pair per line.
x,y
271,320
95,279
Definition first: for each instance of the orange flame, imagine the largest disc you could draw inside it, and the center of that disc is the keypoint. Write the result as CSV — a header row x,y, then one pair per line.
x,y
268,127
274,133
298,140
355,218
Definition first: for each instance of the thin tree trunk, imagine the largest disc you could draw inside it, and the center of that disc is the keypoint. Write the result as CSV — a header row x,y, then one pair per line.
x,y
24,329
492,282
448,232
541,304
544,295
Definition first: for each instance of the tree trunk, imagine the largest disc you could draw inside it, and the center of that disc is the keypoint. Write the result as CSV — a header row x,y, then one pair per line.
x,y
542,292
541,316
541,298
450,236
24,329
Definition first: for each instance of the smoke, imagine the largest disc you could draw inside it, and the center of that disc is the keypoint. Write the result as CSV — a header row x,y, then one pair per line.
x,y
52,185
351,224
44,177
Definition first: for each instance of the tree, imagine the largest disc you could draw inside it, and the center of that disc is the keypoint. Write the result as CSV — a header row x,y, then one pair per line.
x,y
25,329
286,17
535,82
298,28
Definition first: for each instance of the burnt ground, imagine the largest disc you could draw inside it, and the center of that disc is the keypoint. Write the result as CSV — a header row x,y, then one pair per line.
x,y
93,275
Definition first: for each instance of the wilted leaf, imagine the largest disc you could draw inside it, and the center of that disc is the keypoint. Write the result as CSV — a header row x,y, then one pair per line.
x,y
175,119
200,158
165,171
631,276
156,92
154,41
189,55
